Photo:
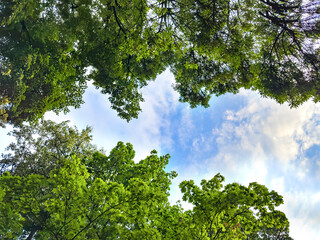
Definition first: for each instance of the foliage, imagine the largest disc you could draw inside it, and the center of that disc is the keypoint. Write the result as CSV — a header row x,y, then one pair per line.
x,y
266,233
42,72
47,46
50,49
58,186
42,147
232,211
3,115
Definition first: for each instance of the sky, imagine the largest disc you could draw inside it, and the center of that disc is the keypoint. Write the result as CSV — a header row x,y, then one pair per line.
x,y
244,137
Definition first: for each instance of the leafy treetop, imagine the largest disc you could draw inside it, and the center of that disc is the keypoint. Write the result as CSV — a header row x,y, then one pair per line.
x,y
82,193
49,50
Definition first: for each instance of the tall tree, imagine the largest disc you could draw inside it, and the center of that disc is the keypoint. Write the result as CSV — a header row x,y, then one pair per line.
x,y
3,115
232,211
70,205
65,189
265,45
47,46
50,49
40,71
73,204
42,147
266,233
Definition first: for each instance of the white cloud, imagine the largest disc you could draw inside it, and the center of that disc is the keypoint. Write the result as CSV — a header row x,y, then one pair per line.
x,y
5,139
263,139
150,131
200,143
277,184
266,142
303,212
274,130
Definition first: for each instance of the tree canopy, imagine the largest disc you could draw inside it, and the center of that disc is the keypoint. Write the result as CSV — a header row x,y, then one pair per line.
x,y
49,50
41,147
47,47
82,193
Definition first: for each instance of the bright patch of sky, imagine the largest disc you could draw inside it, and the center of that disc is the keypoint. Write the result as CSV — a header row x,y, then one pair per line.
x,y
244,137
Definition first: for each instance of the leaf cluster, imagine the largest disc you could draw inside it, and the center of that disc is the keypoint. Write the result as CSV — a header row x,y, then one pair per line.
x,y
49,50
58,186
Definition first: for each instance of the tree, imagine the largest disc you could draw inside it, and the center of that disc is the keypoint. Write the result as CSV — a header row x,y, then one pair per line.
x,y
43,146
49,50
47,47
67,206
71,203
3,115
271,233
42,71
232,211
82,193
264,45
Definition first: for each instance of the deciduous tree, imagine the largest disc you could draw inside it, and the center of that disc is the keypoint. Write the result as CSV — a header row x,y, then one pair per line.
x,y
50,49
43,146
59,186
232,211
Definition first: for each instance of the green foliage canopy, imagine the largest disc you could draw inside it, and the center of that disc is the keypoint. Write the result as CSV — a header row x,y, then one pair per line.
x,y
82,193
49,50
40,148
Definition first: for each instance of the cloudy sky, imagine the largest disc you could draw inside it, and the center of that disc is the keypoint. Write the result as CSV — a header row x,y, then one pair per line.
x,y
244,137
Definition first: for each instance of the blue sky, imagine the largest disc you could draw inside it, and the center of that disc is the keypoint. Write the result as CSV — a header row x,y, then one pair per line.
x,y
244,137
